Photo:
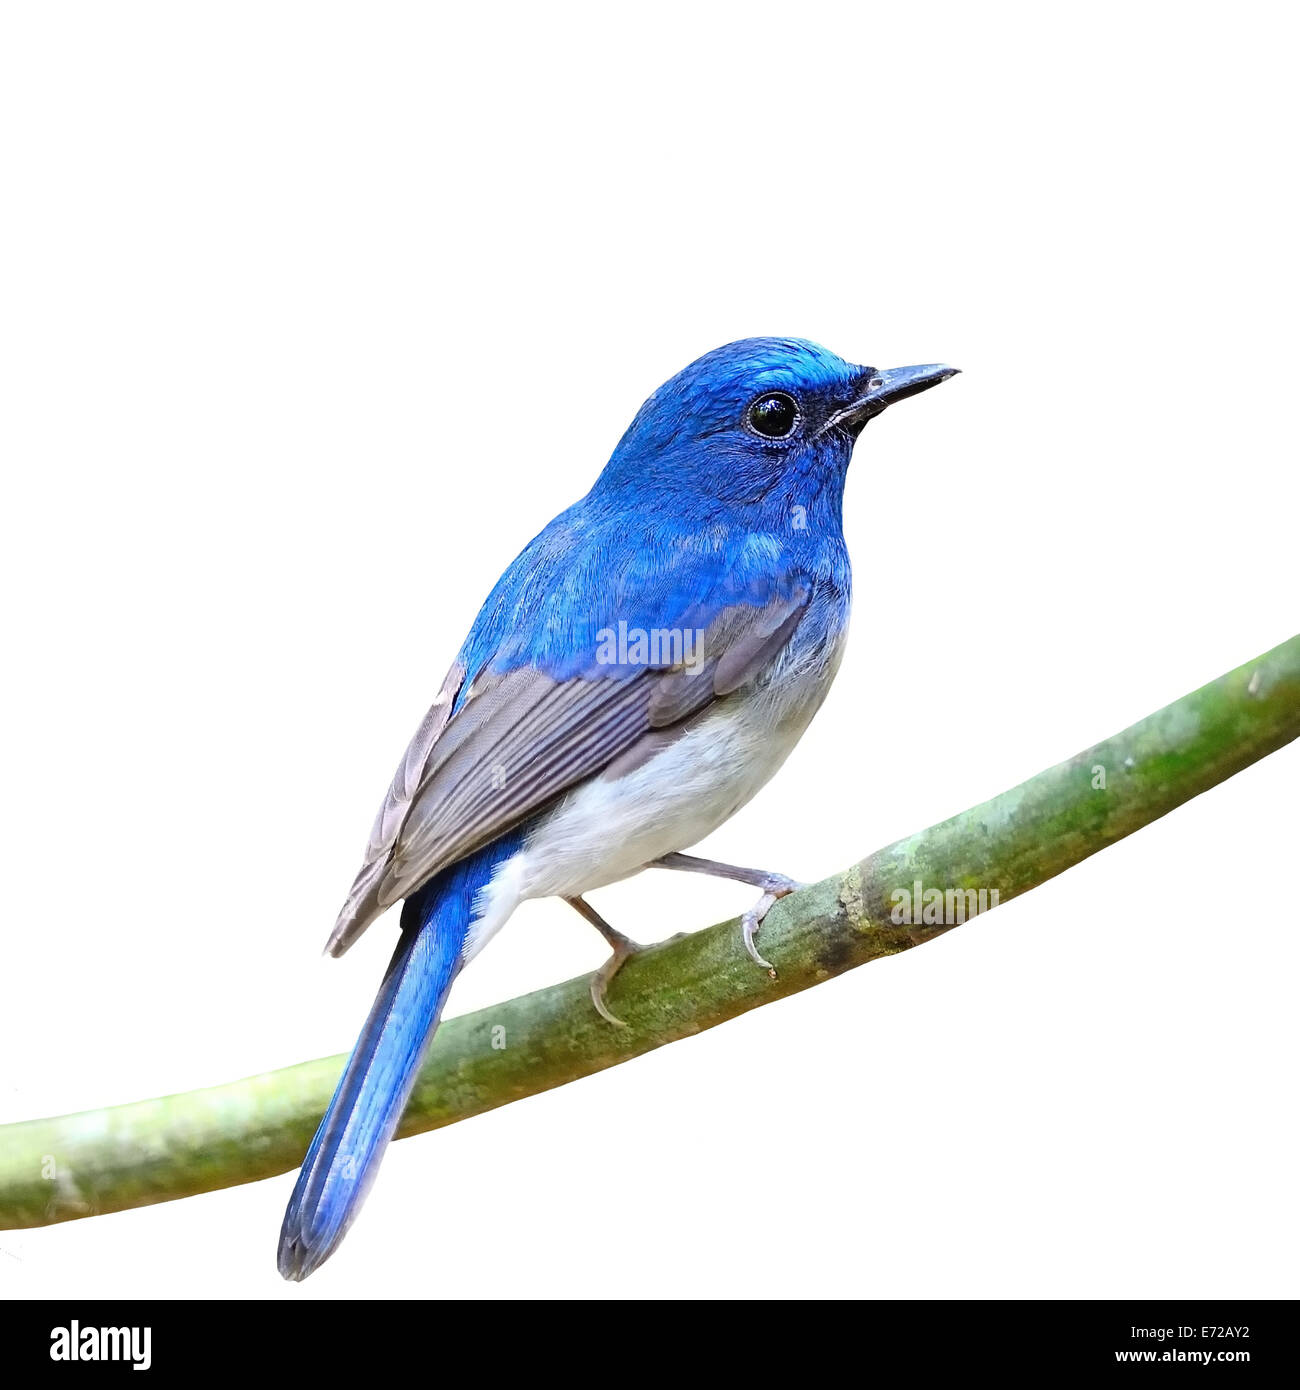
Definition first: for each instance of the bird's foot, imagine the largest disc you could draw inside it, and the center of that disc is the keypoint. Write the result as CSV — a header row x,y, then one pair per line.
x,y
624,948
775,887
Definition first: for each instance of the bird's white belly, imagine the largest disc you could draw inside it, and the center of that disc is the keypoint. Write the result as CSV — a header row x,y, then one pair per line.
x,y
609,828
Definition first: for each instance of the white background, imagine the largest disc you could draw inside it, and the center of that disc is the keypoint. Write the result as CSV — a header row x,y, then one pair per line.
x,y
313,315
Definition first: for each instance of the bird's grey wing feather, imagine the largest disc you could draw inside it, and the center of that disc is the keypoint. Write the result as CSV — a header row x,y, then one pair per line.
x,y
522,738
362,903
738,645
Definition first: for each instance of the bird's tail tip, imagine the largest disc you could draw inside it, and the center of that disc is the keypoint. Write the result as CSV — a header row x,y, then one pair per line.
x,y
325,1199
297,1258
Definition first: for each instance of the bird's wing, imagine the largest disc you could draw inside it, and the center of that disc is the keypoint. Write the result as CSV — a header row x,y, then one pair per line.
x,y
491,754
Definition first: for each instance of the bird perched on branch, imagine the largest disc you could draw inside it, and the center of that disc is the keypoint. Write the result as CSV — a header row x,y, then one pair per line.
x,y
637,674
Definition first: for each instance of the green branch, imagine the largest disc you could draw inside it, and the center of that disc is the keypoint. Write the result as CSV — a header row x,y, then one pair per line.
x,y
156,1150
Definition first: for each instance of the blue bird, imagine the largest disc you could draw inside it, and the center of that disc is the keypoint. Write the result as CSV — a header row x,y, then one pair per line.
x,y
637,674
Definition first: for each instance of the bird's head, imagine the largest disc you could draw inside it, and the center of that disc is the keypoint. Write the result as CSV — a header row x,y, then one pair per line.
x,y
756,416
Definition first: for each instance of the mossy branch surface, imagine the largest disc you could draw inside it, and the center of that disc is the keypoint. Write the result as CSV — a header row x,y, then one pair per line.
x,y
157,1150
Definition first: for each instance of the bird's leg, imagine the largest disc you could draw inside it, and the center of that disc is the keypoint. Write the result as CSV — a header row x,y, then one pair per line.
x,y
624,948
774,886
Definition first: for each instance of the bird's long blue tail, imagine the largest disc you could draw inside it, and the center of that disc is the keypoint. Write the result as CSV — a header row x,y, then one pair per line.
x,y
376,1084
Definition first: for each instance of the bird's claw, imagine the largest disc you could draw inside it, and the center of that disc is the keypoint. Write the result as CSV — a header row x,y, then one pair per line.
x,y
624,950
775,887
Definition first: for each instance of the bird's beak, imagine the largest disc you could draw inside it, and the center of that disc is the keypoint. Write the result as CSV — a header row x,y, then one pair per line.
x,y
882,389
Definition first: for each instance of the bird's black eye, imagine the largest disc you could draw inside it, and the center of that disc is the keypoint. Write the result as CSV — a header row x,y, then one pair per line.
x,y
774,416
